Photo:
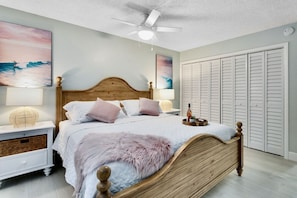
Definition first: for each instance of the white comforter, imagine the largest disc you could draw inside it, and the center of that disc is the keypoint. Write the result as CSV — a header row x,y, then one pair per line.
x,y
123,175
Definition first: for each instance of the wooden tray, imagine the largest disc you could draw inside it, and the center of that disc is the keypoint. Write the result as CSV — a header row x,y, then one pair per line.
x,y
198,122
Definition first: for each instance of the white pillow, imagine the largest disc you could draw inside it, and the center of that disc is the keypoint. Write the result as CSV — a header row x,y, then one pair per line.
x,y
77,111
131,107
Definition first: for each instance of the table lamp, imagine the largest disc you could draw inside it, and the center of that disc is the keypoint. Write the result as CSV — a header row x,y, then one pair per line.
x,y
164,96
24,116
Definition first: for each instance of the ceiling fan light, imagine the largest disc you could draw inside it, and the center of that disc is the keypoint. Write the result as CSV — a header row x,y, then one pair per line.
x,y
146,34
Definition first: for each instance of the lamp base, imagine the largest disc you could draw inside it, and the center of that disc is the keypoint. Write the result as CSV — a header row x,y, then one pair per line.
x,y
23,117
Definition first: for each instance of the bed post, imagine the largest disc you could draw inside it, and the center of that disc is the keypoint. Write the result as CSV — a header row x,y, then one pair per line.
x,y
103,186
58,102
240,149
151,90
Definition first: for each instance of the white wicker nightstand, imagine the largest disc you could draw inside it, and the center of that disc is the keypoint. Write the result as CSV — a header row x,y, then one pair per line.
x,y
23,150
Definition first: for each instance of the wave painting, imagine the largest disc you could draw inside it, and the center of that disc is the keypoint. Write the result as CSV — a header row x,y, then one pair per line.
x,y
25,56
164,72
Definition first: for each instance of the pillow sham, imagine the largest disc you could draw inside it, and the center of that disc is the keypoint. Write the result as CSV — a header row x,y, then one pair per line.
x,y
77,110
149,107
104,111
131,107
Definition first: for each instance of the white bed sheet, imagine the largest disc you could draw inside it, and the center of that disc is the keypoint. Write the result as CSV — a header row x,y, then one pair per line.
x,y
168,126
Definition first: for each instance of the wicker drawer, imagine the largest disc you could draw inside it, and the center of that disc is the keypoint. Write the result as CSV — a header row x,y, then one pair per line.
x,y
21,145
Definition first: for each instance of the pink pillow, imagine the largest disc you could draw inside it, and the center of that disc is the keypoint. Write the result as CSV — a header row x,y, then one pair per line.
x,y
148,107
104,111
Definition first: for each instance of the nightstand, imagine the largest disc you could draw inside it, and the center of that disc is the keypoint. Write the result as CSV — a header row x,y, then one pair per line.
x,y
173,111
23,150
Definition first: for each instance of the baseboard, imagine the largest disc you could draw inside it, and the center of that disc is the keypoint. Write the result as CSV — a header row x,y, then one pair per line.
x,y
293,156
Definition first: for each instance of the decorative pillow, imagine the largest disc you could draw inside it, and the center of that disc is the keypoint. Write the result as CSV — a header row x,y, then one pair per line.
x,y
131,107
104,111
149,107
77,110
117,103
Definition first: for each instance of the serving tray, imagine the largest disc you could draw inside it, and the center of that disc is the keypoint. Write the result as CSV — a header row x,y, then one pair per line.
x,y
197,122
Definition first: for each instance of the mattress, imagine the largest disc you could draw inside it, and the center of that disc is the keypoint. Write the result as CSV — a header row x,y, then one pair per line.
x,y
124,175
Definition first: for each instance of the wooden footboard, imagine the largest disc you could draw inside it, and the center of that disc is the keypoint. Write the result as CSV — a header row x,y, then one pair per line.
x,y
195,168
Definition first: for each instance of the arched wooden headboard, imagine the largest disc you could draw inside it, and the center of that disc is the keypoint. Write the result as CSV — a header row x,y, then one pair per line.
x,y
112,88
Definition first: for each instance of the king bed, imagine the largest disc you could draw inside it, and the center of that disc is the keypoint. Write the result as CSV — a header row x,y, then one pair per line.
x,y
183,160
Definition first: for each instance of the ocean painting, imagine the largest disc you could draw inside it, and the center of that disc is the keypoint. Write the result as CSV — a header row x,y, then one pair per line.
x,y
25,56
164,72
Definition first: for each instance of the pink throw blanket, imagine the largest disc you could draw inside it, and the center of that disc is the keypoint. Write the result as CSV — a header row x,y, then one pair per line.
x,y
146,153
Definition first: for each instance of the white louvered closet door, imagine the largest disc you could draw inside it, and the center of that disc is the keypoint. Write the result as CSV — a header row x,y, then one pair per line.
x,y
191,88
244,87
227,91
240,63
195,101
215,91
274,102
256,134
186,86
204,90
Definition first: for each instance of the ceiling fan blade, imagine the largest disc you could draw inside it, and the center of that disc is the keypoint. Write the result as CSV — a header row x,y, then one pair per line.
x,y
152,18
125,22
167,29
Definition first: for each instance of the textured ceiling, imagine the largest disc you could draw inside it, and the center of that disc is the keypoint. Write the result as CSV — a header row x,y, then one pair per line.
x,y
202,21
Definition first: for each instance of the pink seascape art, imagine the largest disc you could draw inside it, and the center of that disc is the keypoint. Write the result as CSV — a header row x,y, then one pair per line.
x,y
25,56
164,72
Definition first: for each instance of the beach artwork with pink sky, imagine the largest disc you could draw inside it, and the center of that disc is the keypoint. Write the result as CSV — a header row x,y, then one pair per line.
x,y
164,72
25,56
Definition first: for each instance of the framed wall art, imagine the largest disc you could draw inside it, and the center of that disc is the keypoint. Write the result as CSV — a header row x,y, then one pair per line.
x,y
163,72
25,56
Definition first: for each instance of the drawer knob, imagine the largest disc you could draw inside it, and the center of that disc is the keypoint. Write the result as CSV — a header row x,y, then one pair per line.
x,y
24,162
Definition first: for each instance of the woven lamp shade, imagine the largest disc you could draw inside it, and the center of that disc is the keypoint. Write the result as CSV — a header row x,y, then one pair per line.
x,y
23,117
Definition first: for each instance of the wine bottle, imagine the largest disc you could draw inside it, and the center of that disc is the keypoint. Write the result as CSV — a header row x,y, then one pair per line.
x,y
189,112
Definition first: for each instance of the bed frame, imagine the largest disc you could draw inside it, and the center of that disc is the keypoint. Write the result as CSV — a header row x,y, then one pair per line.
x,y
196,167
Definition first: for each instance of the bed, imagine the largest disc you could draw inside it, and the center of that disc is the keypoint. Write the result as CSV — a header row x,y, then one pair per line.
x,y
197,165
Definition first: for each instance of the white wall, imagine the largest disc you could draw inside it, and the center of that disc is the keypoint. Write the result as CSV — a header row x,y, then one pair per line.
x,y
83,57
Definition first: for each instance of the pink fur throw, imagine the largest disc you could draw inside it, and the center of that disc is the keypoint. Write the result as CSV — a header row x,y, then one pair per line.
x,y
146,153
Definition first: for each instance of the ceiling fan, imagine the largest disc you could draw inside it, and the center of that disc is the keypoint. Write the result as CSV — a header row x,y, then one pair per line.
x,y
146,30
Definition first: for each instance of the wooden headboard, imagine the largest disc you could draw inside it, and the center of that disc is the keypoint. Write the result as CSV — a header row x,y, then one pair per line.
x,y
112,88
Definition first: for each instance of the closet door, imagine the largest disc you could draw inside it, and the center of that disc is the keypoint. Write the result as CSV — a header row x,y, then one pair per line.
x,y
186,87
215,91
204,90
256,134
195,101
240,67
227,91
191,88
274,102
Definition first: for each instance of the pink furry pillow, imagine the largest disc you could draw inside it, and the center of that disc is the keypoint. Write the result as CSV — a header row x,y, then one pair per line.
x,y
149,107
104,111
